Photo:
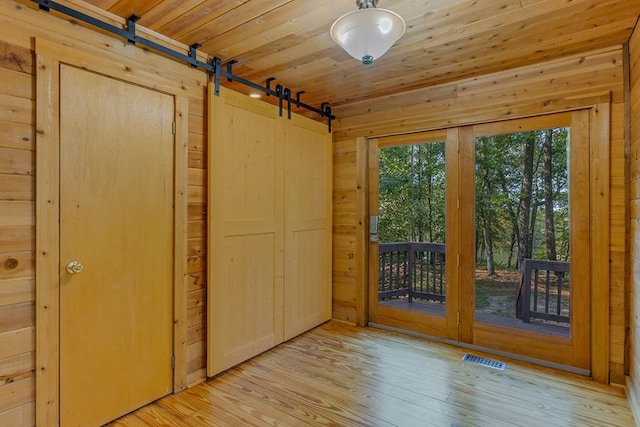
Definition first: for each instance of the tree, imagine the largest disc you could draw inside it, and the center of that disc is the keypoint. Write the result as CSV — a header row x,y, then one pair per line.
x,y
525,200
412,193
547,172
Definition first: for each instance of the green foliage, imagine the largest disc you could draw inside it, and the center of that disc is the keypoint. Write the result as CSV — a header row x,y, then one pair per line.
x,y
412,193
499,177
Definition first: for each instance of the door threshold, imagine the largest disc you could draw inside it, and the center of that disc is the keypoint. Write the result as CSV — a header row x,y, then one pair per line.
x,y
547,364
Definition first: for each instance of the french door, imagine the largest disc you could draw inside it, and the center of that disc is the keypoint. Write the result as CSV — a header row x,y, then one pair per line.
x,y
413,183
511,271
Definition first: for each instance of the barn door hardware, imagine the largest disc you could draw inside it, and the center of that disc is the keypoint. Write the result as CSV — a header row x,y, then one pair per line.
x,y
279,88
230,68
216,63
287,96
325,111
214,67
269,80
193,52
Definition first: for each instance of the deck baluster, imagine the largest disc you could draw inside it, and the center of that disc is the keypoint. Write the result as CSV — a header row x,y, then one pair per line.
x,y
535,290
547,294
559,299
410,260
531,279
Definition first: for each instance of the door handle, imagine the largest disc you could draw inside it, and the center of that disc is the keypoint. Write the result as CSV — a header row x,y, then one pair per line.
x,y
374,235
75,267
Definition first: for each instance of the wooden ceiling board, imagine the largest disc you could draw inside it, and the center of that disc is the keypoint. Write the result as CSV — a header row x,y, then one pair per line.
x,y
342,83
445,41
166,12
225,14
292,18
482,87
102,4
128,7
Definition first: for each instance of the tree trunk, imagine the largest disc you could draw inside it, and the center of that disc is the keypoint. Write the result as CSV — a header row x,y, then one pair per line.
x,y
488,243
550,228
511,247
532,227
513,216
412,214
486,214
525,201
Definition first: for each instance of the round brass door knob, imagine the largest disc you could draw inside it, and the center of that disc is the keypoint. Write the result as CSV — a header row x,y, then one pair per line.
x,y
75,267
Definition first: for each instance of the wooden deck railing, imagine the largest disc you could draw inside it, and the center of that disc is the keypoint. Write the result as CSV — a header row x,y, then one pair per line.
x,y
544,291
413,270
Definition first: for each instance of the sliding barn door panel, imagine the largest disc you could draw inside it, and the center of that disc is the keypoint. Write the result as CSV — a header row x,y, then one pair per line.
x,y
245,229
308,157
269,227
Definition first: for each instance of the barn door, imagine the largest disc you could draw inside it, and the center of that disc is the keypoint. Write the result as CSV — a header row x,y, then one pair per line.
x,y
116,246
246,239
307,289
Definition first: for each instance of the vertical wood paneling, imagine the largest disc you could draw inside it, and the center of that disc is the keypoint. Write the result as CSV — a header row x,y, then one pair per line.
x,y
633,385
196,233
346,280
601,202
559,85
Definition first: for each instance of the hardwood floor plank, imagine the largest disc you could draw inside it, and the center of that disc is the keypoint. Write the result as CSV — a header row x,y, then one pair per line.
x,y
328,408
273,403
416,386
393,404
552,395
342,375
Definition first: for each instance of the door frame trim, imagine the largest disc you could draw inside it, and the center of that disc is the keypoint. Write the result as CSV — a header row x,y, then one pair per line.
x,y
599,130
49,56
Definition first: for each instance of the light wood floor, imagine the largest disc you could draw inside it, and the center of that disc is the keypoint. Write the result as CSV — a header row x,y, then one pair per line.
x,y
343,375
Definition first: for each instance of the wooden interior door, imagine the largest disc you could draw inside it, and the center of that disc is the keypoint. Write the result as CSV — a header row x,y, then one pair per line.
x,y
246,235
308,183
436,318
116,219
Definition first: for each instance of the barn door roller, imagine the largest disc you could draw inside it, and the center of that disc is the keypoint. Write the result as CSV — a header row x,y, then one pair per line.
x,y
214,67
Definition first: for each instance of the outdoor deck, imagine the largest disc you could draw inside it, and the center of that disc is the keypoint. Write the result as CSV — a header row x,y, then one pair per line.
x,y
412,277
439,310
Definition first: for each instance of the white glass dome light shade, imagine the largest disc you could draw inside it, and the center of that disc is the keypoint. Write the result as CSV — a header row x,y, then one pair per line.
x,y
366,34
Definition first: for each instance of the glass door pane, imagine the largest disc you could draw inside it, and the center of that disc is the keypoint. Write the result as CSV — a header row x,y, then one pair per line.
x,y
411,264
522,231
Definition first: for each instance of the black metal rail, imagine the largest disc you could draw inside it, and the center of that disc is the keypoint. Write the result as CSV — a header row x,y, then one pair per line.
x,y
549,279
215,68
412,270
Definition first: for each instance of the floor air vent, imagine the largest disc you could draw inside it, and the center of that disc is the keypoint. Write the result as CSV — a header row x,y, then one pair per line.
x,y
470,358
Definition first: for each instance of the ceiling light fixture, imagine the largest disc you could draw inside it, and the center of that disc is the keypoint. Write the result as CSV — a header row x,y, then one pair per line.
x,y
367,33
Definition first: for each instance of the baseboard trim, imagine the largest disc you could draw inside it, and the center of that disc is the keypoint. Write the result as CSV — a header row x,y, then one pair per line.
x,y
560,367
634,400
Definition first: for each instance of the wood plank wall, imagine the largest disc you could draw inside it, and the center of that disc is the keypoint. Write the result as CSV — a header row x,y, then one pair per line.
x,y
633,385
19,25
557,85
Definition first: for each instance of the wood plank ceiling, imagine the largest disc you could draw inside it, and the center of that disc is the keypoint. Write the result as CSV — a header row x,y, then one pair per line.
x,y
446,40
